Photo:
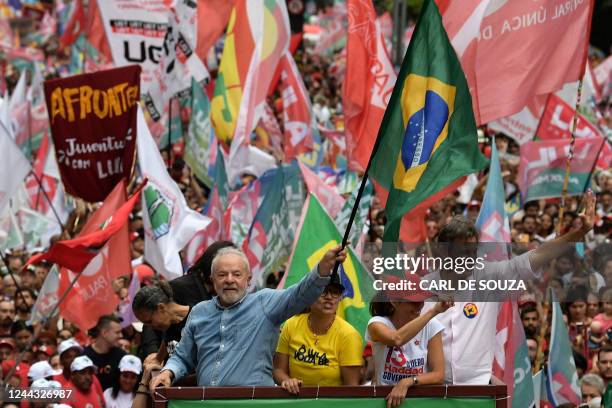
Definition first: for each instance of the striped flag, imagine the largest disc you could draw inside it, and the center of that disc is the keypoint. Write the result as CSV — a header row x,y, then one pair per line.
x,y
562,384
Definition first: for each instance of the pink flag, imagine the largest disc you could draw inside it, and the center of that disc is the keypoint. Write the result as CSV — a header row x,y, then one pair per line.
x,y
512,50
522,125
511,362
269,25
213,231
603,76
556,123
327,195
297,110
368,83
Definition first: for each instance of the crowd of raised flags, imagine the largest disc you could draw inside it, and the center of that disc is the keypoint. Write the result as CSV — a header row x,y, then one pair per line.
x,y
248,130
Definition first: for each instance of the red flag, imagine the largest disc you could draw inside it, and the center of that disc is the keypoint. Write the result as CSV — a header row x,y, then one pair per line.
x,y
368,83
413,227
556,123
506,336
95,34
75,25
297,110
77,253
213,16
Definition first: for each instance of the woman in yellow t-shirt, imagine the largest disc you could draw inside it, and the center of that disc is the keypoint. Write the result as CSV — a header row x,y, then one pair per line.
x,y
318,347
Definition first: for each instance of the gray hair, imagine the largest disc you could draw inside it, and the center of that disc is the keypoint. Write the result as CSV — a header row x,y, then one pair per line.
x,y
229,251
149,297
593,380
9,279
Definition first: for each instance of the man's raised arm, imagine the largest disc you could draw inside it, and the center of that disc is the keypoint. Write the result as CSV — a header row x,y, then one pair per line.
x,y
282,304
551,249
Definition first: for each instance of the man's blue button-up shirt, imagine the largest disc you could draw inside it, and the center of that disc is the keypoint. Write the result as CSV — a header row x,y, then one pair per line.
x,y
231,346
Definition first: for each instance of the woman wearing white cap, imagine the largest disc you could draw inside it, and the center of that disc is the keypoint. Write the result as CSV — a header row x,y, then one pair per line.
x,y
122,395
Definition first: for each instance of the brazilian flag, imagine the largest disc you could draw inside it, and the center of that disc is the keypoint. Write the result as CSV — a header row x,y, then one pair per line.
x,y
427,138
317,234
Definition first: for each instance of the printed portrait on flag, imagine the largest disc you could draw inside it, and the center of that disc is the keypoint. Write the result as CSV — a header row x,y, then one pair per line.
x,y
93,125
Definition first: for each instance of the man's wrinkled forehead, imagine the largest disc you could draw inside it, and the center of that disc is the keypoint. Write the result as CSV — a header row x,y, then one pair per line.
x,y
230,263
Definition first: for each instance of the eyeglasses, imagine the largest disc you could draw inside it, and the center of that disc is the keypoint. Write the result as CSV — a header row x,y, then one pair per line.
x,y
333,294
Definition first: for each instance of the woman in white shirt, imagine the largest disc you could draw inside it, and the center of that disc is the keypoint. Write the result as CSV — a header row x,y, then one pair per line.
x,y
406,345
122,395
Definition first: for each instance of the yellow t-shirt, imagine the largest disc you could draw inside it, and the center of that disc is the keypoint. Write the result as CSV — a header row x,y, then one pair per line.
x,y
319,364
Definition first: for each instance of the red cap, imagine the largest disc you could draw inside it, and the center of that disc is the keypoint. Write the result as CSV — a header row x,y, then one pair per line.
x,y
7,342
144,271
21,371
474,203
48,350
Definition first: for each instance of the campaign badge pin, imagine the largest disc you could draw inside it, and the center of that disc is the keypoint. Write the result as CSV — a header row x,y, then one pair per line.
x,y
470,310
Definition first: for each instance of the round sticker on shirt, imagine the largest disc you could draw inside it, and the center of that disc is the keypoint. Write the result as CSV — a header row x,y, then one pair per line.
x,y
470,310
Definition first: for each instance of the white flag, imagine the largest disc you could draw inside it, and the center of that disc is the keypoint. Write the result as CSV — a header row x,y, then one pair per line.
x,y
169,223
47,298
13,163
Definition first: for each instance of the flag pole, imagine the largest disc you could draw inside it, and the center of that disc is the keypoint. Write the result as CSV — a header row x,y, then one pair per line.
x,y
539,360
40,185
347,231
169,149
30,131
568,162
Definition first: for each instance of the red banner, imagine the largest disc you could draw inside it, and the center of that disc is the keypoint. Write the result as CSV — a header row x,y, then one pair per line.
x,y
93,124
556,123
93,296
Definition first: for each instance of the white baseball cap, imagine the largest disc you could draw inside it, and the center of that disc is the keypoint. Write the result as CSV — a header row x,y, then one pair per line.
x,y
130,363
81,363
42,383
67,345
42,369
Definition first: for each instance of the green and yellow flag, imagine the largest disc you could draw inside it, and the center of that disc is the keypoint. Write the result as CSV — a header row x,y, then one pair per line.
x,y
317,233
428,127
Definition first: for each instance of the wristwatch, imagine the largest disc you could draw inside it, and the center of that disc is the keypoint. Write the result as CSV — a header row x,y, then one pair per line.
x,y
415,380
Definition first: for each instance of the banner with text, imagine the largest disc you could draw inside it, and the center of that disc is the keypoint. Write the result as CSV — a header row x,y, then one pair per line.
x,y
93,124
135,30
542,167
556,123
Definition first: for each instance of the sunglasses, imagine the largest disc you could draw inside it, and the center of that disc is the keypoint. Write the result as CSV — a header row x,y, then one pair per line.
x,y
335,294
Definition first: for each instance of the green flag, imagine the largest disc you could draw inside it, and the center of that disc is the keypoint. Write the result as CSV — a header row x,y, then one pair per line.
x,y
198,137
428,129
317,233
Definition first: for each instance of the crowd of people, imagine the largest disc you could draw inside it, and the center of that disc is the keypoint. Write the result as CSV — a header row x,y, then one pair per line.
x,y
208,328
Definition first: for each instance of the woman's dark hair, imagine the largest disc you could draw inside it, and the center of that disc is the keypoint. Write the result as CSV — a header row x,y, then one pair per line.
x,y
20,325
115,387
202,268
381,306
149,297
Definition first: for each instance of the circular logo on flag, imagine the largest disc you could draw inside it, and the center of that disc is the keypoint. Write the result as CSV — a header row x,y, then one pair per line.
x,y
470,310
